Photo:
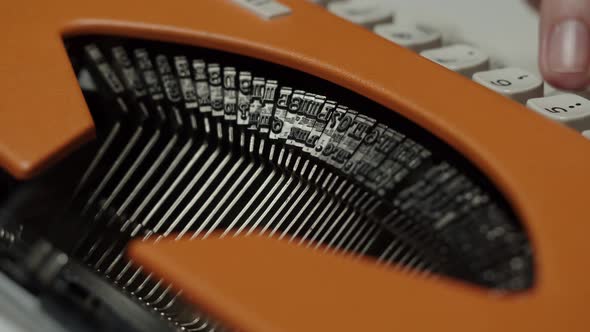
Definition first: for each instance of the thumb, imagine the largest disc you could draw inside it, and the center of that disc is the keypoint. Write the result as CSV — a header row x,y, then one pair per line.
x,y
564,56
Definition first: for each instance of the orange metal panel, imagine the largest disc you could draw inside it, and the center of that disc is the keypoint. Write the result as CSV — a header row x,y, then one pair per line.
x,y
265,285
541,167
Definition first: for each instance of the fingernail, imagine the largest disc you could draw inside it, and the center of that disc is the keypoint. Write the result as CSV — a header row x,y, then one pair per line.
x,y
568,47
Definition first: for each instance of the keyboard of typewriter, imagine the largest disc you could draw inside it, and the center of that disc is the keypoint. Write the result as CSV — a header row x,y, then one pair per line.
x,y
515,83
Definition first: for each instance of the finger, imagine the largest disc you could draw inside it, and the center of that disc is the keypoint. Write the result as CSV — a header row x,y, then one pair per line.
x,y
564,56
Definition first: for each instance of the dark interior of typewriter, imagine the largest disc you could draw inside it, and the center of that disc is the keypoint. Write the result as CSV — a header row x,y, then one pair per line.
x,y
197,143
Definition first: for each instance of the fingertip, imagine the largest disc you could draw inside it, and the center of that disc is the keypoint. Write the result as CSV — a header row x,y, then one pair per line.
x,y
564,55
567,81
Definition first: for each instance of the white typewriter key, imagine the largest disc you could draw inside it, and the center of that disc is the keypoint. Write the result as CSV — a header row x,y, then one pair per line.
x,y
462,59
415,38
514,83
267,9
362,13
569,109
586,133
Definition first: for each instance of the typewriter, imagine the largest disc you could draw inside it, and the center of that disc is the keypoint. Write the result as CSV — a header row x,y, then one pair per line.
x,y
288,165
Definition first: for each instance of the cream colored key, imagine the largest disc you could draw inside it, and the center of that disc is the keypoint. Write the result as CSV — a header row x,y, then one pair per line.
x,y
266,9
514,83
462,59
361,12
415,38
569,109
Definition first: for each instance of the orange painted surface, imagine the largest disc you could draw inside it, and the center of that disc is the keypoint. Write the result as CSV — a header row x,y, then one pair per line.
x,y
265,285
541,167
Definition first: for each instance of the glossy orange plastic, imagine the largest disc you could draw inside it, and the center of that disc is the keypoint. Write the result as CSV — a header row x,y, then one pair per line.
x,y
541,167
265,285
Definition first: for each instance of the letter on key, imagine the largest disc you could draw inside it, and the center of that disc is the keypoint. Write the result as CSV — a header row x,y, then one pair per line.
x,y
361,12
463,59
569,109
514,83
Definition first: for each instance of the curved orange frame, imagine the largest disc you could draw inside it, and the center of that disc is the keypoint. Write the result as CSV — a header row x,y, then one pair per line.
x,y
541,167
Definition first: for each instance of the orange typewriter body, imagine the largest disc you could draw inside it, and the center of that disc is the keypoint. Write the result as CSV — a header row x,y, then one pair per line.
x,y
541,167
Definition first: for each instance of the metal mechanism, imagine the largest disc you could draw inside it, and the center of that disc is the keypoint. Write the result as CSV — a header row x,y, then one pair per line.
x,y
198,143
